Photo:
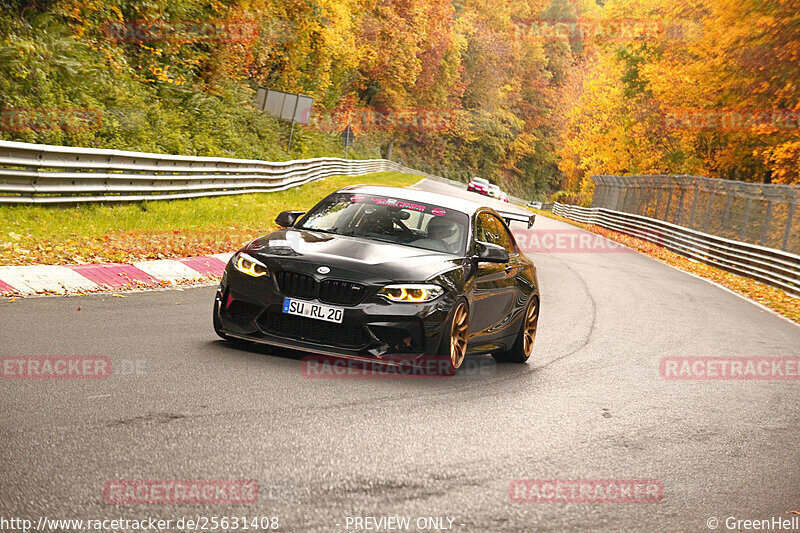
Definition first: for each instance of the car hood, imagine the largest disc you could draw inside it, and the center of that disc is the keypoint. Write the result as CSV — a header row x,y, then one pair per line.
x,y
349,257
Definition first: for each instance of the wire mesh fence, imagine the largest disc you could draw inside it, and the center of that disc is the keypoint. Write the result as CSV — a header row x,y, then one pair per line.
x,y
443,171
763,214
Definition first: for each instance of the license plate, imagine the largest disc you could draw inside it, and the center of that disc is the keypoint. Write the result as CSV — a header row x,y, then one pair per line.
x,y
307,309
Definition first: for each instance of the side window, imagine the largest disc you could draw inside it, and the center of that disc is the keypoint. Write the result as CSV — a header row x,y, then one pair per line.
x,y
482,227
489,228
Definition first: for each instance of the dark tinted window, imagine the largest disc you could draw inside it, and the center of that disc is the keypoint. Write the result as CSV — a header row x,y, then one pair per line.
x,y
388,219
491,229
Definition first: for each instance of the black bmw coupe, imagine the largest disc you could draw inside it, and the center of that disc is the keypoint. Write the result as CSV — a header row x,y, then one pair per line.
x,y
388,275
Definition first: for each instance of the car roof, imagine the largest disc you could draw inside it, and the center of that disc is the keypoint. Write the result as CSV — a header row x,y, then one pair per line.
x,y
414,195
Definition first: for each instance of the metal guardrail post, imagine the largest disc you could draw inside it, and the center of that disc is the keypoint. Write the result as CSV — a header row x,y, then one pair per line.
x,y
696,189
709,210
657,195
669,203
788,230
727,214
639,198
746,221
765,229
679,211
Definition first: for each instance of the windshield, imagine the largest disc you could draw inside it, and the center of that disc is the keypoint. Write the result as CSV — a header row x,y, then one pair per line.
x,y
387,219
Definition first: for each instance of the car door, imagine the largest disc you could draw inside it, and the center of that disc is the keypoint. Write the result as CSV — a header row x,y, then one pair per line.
x,y
495,294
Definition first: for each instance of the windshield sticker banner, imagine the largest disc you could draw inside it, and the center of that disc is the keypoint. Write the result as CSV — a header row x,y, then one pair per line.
x,y
398,203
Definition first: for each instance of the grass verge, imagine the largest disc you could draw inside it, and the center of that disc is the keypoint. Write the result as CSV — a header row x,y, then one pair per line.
x,y
775,299
157,229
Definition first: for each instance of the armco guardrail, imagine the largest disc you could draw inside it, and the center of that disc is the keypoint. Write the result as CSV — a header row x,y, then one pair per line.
x,y
544,206
38,173
767,265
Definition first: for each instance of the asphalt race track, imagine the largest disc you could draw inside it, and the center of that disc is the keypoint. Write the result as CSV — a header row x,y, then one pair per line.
x,y
591,404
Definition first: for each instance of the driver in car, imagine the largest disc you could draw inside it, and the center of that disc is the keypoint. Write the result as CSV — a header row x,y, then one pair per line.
x,y
439,229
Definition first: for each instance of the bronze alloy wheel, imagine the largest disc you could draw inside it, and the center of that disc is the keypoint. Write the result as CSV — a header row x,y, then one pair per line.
x,y
458,335
529,329
522,348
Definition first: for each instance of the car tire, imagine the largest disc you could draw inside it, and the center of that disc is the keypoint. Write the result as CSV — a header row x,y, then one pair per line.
x,y
523,345
453,348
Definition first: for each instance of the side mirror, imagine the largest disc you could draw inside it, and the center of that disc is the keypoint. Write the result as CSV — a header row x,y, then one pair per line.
x,y
491,253
286,219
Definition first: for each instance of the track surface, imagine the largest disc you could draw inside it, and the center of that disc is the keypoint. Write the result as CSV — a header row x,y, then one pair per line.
x,y
590,404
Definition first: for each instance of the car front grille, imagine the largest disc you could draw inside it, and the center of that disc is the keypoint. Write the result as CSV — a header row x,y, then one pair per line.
x,y
295,284
330,291
334,291
312,330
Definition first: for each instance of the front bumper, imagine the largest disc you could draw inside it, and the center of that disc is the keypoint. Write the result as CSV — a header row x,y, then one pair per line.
x,y
374,330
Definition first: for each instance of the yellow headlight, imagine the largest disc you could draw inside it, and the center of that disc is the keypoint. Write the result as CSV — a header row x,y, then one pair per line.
x,y
411,293
397,295
247,265
417,295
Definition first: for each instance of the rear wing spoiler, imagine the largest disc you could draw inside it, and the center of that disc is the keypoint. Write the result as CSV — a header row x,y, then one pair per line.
x,y
519,217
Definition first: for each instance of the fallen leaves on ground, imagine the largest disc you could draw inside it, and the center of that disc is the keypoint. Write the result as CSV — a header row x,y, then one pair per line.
x,y
126,246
